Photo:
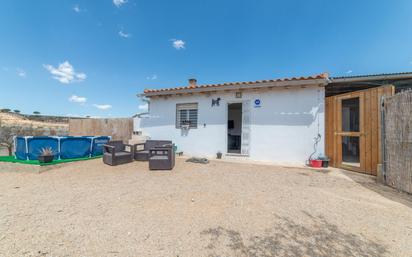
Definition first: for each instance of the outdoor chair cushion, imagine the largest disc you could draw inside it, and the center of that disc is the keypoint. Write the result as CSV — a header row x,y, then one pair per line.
x,y
157,157
141,155
118,154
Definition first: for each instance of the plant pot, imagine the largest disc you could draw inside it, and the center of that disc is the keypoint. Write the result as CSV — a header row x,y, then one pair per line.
x,y
316,163
46,158
219,155
325,163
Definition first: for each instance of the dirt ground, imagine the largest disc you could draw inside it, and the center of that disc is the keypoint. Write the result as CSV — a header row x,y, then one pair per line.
x,y
218,209
3,151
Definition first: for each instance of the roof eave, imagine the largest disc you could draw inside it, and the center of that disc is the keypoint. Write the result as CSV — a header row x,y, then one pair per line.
x,y
371,78
204,89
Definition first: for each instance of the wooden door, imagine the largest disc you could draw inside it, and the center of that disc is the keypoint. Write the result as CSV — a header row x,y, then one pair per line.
x,y
353,132
350,132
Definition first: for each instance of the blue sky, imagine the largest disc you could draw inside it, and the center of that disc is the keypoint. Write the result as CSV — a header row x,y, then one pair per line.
x,y
92,57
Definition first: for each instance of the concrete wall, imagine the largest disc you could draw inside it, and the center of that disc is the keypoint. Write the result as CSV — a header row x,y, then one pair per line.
x,y
283,128
136,123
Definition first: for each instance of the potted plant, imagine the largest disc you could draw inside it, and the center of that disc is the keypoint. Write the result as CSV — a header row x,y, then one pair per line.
x,y
46,155
219,155
325,161
185,124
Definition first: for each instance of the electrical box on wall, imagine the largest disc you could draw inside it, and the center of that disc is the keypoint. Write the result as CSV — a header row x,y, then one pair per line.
x,y
238,95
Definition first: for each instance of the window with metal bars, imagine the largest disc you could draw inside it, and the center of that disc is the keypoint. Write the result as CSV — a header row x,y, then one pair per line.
x,y
186,115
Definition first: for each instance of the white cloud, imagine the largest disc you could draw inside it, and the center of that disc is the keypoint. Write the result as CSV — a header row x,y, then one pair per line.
x,y
178,44
124,34
82,116
152,77
21,73
76,8
65,73
77,99
143,107
119,3
102,106
349,72
73,115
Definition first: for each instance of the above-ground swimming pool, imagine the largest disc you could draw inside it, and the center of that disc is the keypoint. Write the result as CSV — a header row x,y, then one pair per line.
x,y
68,147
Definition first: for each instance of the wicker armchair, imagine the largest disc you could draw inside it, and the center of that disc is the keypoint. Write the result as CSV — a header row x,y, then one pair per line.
x,y
143,154
115,153
161,158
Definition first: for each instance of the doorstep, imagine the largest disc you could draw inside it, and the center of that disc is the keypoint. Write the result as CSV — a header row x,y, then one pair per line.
x,y
237,155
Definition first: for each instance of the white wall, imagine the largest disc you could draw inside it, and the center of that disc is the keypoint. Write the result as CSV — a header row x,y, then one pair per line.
x,y
136,123
282,129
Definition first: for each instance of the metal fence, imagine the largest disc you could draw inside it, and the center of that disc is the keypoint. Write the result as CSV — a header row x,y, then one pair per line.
x,y
397,141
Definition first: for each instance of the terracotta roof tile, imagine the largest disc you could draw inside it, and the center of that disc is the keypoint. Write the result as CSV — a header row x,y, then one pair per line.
x,y
319,76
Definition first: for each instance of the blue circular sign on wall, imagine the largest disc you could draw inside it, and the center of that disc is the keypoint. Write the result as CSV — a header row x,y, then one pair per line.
x,y
257,102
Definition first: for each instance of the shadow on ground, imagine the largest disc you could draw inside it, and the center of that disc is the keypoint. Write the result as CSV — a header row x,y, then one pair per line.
x,y
288,238
369,182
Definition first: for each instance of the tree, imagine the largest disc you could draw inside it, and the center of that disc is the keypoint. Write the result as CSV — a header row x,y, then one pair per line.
x,y
16,111
5,110
36,113
7,134
6,137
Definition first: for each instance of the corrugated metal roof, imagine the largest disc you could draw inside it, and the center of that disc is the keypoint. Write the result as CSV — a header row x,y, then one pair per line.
x,y
314,77
373,75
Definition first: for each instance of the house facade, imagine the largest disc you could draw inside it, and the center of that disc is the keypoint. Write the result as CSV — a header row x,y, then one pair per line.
x,y
272,120
282,120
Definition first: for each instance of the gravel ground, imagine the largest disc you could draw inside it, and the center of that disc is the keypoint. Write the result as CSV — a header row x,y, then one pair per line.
x,y
218,209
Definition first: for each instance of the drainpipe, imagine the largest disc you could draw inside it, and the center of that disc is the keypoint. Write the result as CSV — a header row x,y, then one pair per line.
x,y
383,139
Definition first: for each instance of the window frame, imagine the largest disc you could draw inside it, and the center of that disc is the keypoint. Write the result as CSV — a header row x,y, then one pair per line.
x,y
180,107
352,123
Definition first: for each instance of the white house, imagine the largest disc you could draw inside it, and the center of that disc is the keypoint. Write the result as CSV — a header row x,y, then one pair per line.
x,y
270,120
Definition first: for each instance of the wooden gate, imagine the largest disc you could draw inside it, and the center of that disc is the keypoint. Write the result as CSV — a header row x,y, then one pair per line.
x,y
353,129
